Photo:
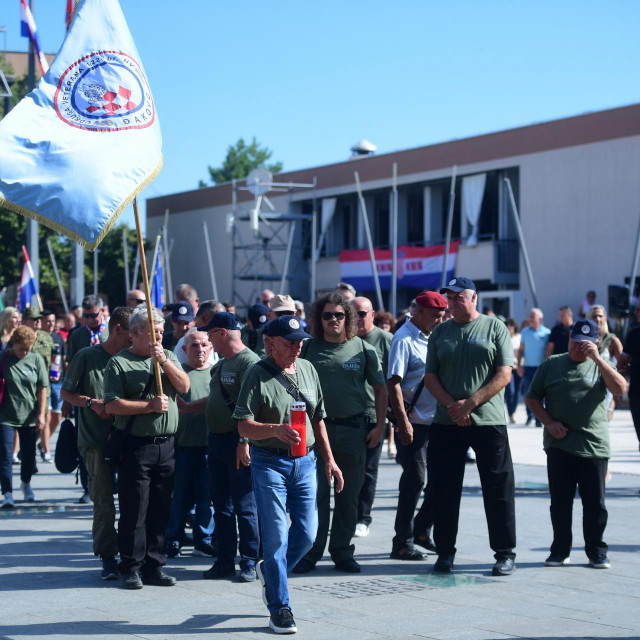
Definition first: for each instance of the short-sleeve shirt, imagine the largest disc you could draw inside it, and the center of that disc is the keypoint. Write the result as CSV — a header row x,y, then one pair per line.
x,y
465,357
254,337
229,373
192,427
81,338
632,349
263,399
125,379
85,375
380,340
535,344
44,346
559,337
344,368
574,394
182,356
23,378
407,360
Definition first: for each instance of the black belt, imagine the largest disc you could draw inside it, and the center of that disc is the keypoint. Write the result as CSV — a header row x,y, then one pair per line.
x,y
355,422
152,439
285,452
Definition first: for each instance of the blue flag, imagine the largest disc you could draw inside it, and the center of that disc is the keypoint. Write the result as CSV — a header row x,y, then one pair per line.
x,y
157,284
77,150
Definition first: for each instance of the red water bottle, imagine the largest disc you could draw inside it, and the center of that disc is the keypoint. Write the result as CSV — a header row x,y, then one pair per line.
x,y
299,423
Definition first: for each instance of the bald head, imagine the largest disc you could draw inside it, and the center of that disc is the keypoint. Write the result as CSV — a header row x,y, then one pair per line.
x,y
364,314
134,298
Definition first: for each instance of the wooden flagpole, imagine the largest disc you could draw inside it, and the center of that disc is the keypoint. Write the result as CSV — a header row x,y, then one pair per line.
x,y
147,294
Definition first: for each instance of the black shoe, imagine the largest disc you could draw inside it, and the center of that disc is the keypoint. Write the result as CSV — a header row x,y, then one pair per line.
x,y
304,566
528,422
203,549
247,574
444,564
158,578
282,621
557,560
132,580
173,550
109,568
263,581
600,561
219,570
348,565
406,553
425,542
504,567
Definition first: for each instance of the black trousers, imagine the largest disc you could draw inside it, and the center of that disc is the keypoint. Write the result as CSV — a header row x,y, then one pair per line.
x,y
368,490
565,472
413,459
634,405
145,485
448,446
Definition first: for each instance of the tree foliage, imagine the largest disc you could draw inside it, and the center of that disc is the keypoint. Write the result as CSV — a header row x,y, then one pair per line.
x,y
19,88
241,160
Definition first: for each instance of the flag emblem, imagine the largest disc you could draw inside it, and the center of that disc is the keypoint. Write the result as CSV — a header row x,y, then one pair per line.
x,y
105,91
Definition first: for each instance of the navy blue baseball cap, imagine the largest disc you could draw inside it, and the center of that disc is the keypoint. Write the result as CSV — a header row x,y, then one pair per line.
x,y
459,284
585,330
181,311
258,315
223,320
287,327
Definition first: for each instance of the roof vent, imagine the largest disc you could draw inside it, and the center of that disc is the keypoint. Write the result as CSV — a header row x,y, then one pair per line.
x,y
362,149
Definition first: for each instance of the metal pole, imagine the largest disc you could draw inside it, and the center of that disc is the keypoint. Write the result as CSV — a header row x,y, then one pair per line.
x,y
523,246
367,231
77,275
32,225
314,249
155,260
632,282
57,274
287,256
214,288
447,242
95,272
165,246
147,294
125,252
394,242
136,266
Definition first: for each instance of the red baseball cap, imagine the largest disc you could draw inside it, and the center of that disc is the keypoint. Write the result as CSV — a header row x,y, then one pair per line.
x,y
432,300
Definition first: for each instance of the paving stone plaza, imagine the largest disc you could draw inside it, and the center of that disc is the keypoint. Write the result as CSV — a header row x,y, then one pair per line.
x,y
50,581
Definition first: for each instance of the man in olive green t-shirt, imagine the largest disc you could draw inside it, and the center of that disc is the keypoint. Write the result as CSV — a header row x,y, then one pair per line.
x,y
469,363
574,387
146,473
83,387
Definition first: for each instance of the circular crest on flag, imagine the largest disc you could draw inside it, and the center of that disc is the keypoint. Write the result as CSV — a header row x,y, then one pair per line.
x,y
105,91
294,324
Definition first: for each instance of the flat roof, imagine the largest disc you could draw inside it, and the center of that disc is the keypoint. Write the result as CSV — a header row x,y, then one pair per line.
x,y
598,126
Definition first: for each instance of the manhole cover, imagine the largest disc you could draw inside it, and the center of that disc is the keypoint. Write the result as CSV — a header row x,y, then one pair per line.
x,y
361,588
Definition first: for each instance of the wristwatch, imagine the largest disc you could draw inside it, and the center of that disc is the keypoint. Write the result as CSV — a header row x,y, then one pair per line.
x,y
243,441
89,403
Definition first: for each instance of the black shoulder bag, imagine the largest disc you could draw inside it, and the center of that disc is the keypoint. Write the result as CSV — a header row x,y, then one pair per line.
x,y
113,450
231,405
408,406
290,388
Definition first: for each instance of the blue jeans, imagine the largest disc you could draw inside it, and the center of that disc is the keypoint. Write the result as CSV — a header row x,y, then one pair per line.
x,y
191,482
232,499
512,392
27,437
280,481
529,372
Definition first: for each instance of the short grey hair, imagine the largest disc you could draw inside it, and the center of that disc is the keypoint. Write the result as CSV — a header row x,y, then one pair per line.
x,y
140,318
345,286
537,311
89,302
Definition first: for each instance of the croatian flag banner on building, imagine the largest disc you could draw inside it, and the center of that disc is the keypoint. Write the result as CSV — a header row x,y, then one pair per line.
x,y
77,150
418,267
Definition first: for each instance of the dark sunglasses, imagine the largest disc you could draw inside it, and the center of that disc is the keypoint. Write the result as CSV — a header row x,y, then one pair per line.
x,y
338,315
363,314
90,315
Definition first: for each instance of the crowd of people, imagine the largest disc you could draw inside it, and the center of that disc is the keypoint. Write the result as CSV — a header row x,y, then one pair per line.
x,y
247,429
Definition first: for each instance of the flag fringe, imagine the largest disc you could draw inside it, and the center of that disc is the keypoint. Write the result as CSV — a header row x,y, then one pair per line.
x,y
91,246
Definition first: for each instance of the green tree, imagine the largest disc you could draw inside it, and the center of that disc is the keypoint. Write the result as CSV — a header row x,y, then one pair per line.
x,y
241,160
19,87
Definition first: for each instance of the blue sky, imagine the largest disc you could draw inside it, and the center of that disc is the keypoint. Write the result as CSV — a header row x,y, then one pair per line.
x,y
309,79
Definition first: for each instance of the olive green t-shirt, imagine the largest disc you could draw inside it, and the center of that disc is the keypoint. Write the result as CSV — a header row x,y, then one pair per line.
x,y
85,375
231,374
257,340
574,393
263,399
23,378
192,427
465,357
344,368
380,340
44,346
80,338
125,379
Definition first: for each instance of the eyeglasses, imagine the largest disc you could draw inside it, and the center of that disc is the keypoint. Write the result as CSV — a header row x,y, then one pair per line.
x,y
91,315
328,315
363,314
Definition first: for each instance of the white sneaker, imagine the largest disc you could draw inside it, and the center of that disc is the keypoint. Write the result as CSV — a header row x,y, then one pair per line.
x,y
47,457
8,502
362,530
15,459
28,492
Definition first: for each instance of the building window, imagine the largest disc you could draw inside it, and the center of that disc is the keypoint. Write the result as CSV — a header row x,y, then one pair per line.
x,y
415,216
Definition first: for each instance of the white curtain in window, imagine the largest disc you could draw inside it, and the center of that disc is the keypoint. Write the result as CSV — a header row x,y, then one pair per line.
x,y
472,194
328,211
